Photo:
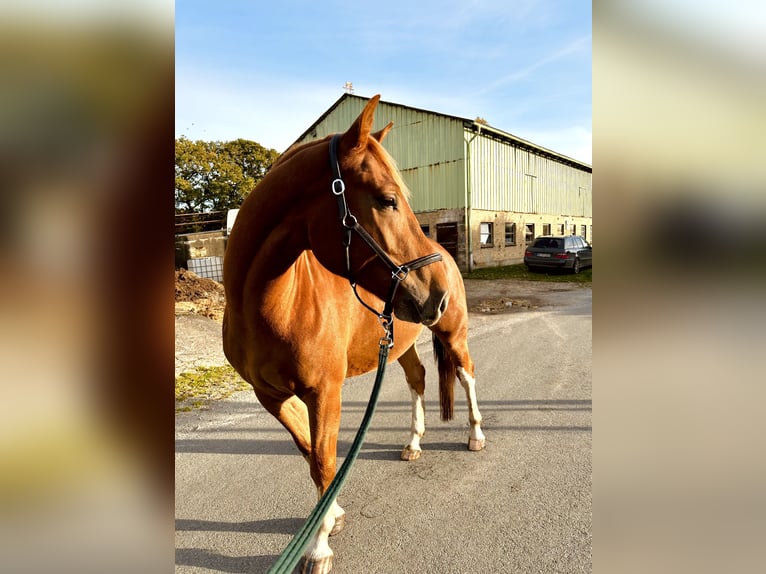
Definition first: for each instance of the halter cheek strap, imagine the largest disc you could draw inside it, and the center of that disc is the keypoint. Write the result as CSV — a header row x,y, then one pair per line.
x,y
351,224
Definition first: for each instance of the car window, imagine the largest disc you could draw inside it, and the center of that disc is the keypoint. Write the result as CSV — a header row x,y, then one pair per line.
x,y
578,242
569,242
548,242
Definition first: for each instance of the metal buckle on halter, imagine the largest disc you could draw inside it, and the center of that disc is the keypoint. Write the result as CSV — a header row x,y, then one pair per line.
x,y
386,340
349,220
400,273
342,186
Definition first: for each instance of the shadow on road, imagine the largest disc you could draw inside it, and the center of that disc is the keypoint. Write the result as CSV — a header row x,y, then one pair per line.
x,y
238,446
270,526
493,420
205,559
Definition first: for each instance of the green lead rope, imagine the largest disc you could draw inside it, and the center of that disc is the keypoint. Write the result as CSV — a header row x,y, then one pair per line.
x,y
291,555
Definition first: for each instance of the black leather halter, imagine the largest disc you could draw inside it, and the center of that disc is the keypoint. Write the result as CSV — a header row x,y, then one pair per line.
x,y
349,222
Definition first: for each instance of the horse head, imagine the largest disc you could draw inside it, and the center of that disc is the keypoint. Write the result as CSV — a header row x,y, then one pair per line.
x,y
378,198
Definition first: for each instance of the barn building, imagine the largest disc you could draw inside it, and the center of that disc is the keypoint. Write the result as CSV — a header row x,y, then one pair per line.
x,y
466,175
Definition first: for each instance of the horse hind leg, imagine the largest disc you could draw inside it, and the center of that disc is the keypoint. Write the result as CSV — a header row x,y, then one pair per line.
x,y
476,439
415,374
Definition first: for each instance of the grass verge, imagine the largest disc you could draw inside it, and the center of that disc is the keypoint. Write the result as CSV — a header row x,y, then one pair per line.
x,y
520,272
195,389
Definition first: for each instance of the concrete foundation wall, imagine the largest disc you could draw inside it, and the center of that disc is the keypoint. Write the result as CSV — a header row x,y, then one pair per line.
x,y
433,219
500,252
195,245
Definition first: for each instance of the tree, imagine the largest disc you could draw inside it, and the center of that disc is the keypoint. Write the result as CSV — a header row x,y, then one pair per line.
x,y
213,176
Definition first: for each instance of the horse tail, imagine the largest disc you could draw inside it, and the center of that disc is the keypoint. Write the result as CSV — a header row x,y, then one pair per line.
x,y
447,375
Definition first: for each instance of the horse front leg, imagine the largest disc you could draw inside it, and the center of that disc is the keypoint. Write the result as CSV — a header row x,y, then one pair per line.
x,y
324,421
476,437
415,374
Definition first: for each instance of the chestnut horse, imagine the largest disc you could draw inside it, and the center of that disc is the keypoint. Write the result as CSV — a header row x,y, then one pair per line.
x,y
293,327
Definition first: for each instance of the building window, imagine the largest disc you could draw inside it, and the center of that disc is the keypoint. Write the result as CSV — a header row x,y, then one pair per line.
x,y
446,235
582,231
529,235
485,234
561,229
546,228
574,229
510,234
426,229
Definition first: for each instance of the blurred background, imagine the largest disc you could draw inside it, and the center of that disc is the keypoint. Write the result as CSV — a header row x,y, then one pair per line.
x,y
679,314
86,324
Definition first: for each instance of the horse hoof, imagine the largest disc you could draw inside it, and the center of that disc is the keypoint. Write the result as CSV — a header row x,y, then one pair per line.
x,y
410,454
475,444
340,524
321,566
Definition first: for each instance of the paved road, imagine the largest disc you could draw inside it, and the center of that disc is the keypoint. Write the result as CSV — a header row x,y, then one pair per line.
x,y
522,505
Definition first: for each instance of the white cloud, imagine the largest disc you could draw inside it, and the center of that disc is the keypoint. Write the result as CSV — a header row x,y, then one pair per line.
x,y
577,45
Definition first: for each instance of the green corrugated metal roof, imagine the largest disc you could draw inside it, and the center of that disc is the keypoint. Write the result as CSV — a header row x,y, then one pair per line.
x,y
467,123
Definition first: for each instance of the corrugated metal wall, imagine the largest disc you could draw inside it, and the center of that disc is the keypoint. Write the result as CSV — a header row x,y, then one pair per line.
x,y
431,149
507,178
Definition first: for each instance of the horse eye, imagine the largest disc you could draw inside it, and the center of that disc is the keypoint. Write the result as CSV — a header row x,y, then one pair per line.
x,y
387,201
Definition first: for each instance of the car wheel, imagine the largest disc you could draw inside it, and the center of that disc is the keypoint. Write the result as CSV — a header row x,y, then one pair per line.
x,y
576,266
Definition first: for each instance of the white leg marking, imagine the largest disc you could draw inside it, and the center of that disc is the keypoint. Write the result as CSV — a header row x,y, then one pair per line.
x,y
318,554
417,428
340,518
476,439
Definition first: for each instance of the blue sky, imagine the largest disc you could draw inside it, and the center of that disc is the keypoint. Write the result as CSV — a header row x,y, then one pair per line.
x,y
265,71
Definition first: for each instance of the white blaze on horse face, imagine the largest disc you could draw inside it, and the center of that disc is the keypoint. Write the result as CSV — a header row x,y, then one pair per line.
x,y
474,416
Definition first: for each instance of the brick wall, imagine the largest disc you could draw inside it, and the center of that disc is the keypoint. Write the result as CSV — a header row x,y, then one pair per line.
x,y
499,252
502,253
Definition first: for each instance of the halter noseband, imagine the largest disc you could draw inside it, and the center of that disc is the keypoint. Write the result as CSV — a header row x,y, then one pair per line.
x,y
398,272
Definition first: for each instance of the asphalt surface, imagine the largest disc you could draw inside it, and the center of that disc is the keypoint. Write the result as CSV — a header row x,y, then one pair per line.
x,y
521,505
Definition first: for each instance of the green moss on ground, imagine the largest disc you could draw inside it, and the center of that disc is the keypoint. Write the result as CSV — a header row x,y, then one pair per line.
x,y
195,389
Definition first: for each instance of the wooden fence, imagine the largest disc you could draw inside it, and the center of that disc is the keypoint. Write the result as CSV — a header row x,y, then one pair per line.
x,y
197,222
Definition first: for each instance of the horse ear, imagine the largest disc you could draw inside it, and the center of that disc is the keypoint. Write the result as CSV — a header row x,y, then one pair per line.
x,y
356,136
382,133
